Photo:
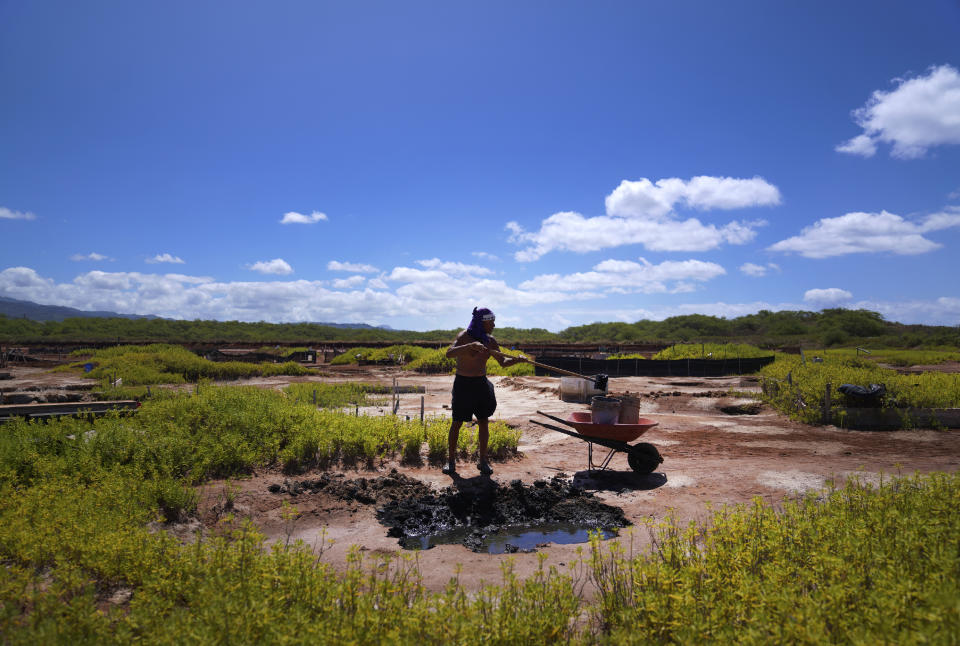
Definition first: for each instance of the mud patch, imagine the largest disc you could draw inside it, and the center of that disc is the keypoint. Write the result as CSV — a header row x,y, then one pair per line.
x,y
367,491
477,512
744,408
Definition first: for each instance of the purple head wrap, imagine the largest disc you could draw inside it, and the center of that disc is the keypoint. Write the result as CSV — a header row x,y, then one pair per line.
x,y
475,329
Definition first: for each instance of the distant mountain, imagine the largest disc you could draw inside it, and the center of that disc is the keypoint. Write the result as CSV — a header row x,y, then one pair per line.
x,y
15,308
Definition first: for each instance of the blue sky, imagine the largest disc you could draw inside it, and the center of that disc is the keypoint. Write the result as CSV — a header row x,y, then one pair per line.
x,y
559,162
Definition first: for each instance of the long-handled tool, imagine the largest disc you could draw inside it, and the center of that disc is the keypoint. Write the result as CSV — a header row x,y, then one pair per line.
x,y
599,381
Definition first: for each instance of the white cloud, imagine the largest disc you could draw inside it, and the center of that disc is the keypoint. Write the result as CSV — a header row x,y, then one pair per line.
x,y
356,268
755,270
165,257
645,199
198,297
643,212
868,233
918,114
277,266
349,283
292,217
628,277
483,255
8,214
573,232
93,255
829,297
430,296
751,269
860,145
455,268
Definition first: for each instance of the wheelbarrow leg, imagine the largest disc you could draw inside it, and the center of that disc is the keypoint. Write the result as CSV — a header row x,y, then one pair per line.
x,y
603,465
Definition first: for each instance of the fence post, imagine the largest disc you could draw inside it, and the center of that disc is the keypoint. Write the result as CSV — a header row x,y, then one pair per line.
x,y
421,410
826,405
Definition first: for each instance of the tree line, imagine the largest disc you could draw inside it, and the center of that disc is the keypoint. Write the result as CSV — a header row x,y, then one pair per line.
x,y
829,327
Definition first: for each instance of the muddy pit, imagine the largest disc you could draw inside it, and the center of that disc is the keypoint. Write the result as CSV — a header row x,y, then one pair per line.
x,y
484,515
479,513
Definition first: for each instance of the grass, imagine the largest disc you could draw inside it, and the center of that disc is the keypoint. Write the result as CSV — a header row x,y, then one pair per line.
x,y
141,365
397,354
891,356
810,379
436,361
856,564
850,565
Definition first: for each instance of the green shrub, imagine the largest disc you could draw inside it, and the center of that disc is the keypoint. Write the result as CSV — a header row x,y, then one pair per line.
x,y
810,379
398,354
172,364
711,351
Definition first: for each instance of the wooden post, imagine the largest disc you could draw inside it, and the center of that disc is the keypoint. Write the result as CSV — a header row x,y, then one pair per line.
x,y
421,410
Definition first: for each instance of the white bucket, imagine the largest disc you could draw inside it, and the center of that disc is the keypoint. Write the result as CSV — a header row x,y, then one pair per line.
x,y
604,410
573,389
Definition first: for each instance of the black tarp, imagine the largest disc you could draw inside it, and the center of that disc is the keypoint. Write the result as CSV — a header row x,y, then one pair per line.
x,y
654,367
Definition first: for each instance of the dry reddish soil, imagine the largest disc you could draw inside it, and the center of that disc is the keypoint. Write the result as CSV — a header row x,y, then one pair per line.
x,y
710,457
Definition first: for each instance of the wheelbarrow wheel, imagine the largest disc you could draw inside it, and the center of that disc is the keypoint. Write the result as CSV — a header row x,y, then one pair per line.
x,y
644,458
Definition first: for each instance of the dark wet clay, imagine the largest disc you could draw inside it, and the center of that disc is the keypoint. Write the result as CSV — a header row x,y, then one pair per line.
x,y
366,491
488,508
752,408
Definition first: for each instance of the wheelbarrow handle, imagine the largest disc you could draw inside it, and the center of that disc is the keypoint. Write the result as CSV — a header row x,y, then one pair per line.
x,y
556,419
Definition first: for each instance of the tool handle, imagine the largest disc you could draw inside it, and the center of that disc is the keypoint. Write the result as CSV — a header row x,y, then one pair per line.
x,y
546,367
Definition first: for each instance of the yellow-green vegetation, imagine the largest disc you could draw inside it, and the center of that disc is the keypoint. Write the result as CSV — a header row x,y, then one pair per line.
x,y
701,351
139,365
338,395
712,351
803,397
82,561
891,356
281,351
426,360
862,565
432,362
438,362
516,370
399,354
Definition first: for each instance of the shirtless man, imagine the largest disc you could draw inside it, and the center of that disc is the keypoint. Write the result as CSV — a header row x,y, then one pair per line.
x,y
472,391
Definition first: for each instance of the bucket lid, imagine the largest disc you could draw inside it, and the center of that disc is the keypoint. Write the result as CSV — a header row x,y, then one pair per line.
x,y
602,399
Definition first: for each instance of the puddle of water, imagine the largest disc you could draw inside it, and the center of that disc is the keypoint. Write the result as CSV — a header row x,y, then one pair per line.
x,y
507,539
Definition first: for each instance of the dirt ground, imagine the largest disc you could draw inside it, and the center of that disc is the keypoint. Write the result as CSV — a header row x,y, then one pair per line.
x,y
710,457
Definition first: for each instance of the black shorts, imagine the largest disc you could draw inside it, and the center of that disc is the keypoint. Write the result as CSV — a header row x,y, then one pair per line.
x,y
472,396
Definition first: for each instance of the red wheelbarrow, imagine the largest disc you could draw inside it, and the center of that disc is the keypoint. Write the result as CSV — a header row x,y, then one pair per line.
x,y
642,457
